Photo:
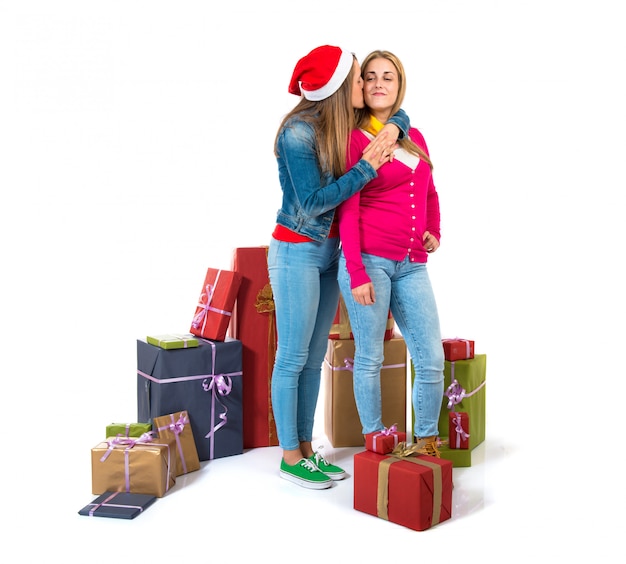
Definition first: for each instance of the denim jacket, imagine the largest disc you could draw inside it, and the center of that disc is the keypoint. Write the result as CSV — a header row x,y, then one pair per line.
x,y
310,196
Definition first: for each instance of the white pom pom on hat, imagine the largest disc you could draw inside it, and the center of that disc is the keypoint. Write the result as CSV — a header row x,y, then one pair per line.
x,y
319,74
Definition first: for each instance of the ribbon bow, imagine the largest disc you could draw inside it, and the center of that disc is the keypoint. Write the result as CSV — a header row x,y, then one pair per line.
x,y
129,442
455,393
349,363
204,306
178,427
460,432
390,431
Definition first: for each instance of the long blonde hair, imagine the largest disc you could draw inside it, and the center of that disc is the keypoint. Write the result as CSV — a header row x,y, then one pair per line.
x,y
332,120
363,115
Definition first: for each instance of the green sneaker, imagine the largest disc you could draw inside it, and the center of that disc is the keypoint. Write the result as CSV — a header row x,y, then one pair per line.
x,y
332,471
306,474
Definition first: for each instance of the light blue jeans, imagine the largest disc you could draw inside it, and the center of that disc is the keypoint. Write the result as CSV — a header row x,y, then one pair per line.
x,y
405,288
306,295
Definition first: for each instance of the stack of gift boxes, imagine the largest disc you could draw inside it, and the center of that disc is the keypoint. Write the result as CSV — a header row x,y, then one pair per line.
x,y
206,394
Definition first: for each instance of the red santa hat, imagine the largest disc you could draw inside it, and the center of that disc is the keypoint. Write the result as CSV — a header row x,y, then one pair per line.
x,y
320,73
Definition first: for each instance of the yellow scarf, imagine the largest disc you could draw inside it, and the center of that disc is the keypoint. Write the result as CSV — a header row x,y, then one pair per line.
x,y
374,126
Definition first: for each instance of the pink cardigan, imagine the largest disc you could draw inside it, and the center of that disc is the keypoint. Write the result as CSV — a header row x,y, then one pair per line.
x,y
390,215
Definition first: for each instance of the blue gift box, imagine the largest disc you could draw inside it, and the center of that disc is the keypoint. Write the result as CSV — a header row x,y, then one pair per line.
x,y
206,381
119,505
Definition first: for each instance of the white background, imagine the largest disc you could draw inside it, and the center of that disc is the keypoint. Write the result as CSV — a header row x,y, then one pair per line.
x,y
136,146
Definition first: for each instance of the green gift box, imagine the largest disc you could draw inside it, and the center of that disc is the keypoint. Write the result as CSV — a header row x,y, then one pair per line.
x,y
464,390
173,341
460,457
128,429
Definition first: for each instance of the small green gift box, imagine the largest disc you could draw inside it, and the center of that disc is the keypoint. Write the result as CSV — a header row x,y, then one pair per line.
x,y
173,341
128,429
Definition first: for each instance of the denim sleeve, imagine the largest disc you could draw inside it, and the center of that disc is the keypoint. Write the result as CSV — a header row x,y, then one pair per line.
x,y
401,120
315,192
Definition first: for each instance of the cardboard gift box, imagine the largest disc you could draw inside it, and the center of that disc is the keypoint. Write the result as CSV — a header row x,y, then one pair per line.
x,y
465,391
254,324
383,442
127,429
119,505
341,328
412,491
173,341
215,305
458,349
144,465
342,424
458,429
177,426
205,381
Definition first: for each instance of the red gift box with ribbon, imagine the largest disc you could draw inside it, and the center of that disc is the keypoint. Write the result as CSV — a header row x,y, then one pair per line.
x,y
458,429
177,427
407,489
215,305
458,349
383,442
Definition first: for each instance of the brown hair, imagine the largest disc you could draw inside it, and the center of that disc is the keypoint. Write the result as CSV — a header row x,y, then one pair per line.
x,y
363,115
332,120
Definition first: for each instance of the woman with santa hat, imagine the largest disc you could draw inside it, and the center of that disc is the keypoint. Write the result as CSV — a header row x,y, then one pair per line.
x,y
311,150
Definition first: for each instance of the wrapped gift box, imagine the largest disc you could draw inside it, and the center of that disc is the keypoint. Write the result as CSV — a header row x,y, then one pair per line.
x,y
215,305
458,349
342,424
412,491
254,324
144,466
205,381
460,457
127,429
173,341
465,391
119,505
458,430
383,442
341,329
177,426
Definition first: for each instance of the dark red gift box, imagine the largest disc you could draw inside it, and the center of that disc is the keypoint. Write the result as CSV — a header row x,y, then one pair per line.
x,y
383,442
458,429
458,349
254,324
412,491
215,305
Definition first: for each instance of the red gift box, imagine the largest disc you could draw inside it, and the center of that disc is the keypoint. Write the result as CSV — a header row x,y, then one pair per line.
x,y
383,442
458,349
458,429
412,491
341,328
254,324
215,305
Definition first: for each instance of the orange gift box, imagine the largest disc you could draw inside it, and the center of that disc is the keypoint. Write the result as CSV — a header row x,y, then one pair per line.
x,y
144,465
412,491
341,328
177,427
215,305
254,324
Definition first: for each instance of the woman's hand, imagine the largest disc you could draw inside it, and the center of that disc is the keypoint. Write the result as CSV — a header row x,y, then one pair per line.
x,y
430,242
388,136
364,294
379,151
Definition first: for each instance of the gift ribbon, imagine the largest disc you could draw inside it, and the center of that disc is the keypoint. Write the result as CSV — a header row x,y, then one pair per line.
x,y
201,316
349,365
408,453
455,392
460,432
177,427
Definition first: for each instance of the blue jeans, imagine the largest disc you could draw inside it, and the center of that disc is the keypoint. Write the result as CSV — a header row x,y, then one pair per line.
x,y
404,287
306,295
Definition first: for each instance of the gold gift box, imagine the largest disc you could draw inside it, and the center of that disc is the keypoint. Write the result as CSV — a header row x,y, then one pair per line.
x,y
177,427
134,466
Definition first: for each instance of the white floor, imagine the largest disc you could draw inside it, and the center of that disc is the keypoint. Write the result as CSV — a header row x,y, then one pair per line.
x,y
514,502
